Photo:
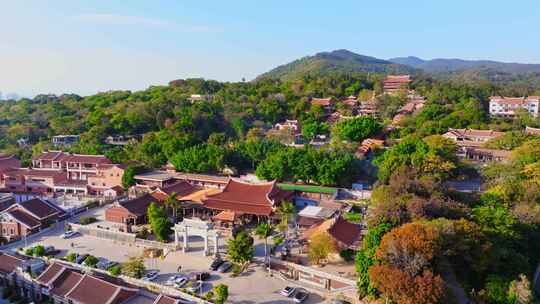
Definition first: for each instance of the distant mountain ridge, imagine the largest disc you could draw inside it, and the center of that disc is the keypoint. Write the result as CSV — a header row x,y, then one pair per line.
x,y
441,65
335,61
344,61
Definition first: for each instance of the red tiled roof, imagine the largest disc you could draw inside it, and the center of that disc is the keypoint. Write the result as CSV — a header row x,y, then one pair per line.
x,y
9,161
247,198
181,188
513,100
65,282
40,208
138,206
87,159
163,299
308,221
50,155
322,101
345,232
8,262
24,218
226,216
338,228
49,274
92,290
474,133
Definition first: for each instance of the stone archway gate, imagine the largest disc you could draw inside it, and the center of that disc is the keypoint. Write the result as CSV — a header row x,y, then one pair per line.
x,y
197,227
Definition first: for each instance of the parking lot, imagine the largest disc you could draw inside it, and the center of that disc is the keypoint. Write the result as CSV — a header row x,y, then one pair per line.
x,y
253,286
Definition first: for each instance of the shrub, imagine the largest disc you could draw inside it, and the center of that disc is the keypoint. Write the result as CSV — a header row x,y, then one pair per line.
x,y
91,261
39,251
115,270
71,257
85,220
29,251
209,296
353,217
92,204
143,233
347,255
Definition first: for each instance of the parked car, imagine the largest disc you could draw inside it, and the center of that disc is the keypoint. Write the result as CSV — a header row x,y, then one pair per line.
x,y
224,267
176,281
195,286
201,276
104,264
301,295
288,291
51,251
150,275
80,258
70,234
215,264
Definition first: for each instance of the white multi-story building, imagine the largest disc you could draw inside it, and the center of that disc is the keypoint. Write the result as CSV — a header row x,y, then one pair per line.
x,y
507,106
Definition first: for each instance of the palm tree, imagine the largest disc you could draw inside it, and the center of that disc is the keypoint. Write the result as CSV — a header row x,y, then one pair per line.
x,y
172,203
263,231
286,210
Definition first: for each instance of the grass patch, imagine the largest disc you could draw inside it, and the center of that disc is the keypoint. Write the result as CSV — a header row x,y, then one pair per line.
x,y
308,188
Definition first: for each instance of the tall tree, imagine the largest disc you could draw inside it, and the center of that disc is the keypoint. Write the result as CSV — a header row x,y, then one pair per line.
x,y
240,249
263,231
159,221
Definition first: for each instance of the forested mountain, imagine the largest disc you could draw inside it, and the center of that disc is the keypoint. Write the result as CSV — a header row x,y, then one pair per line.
x,y
450,65
335,61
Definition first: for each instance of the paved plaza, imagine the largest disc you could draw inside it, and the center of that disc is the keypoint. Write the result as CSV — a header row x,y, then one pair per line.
x,y
253,286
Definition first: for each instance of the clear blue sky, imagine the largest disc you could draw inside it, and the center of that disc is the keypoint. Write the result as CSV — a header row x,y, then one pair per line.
x,y
88,46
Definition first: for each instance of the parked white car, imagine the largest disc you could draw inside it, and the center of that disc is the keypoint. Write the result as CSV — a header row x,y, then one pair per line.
x,y
69,234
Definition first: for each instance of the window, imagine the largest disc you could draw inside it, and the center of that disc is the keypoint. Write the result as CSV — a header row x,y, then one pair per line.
x,y
12,231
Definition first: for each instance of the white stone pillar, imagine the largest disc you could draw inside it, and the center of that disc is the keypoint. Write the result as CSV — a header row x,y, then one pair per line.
x,y
216,244
185,239
206,244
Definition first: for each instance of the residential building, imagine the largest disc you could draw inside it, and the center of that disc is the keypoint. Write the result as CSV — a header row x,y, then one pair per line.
x,y
509,106
248,199
200,97
471,137
24,218
57,171
291,125
483,155
65,140
108,176
395,83
121,140
155,179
